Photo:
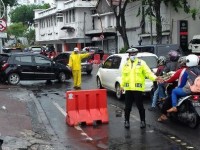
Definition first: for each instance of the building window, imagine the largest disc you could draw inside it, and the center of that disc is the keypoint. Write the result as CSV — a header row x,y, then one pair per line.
x,y
70,16
67,17
73,15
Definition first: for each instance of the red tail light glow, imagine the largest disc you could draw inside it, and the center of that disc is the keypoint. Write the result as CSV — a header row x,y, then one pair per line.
x,y
195,97
4,66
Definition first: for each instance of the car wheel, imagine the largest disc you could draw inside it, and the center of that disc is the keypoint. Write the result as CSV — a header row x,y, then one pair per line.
x,y
89,72
99,86
61,77
118,91
13,79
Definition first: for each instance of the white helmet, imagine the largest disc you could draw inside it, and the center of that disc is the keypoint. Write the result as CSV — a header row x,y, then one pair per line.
x,y
192,60
76,49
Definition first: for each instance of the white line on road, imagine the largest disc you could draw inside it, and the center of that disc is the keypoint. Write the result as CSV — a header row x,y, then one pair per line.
x,y
76,127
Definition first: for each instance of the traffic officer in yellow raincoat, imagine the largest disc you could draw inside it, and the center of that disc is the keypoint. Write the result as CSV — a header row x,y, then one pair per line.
x,y
134,73
75,65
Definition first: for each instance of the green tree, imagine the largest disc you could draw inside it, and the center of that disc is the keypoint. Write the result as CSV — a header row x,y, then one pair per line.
x,y
16,29
30,35
25,13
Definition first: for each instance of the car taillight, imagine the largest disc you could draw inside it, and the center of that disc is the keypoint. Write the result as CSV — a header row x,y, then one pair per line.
x,y
195,97
4,66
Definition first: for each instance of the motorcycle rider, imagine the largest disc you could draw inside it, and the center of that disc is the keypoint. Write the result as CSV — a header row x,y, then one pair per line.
x,y
179,75
191,61
171,65
159,72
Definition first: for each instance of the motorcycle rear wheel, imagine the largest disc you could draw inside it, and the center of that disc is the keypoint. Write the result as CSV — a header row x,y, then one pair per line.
x,y
194,122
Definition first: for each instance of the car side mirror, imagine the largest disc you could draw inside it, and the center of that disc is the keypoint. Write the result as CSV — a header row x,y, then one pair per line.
x,y
100,65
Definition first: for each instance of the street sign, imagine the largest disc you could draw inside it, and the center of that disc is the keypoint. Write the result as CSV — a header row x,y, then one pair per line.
x,y
102,36
2,25
3,35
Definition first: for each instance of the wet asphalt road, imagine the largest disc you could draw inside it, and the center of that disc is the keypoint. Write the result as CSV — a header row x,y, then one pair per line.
x,y
157,136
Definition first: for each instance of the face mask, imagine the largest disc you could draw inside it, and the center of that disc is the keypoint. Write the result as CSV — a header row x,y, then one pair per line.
x,y
132,58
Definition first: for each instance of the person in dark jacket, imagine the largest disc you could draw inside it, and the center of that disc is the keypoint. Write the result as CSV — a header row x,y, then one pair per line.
x,y
156,96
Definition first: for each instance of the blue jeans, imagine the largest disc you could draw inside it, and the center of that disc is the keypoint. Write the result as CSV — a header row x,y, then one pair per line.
x,y
155,97
176,93
161,92
158,93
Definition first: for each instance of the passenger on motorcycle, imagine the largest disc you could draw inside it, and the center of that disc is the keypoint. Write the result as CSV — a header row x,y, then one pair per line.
x,y
179,75
185,88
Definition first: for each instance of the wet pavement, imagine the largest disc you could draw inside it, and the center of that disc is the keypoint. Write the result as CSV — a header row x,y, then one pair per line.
x,y
33,118
17,128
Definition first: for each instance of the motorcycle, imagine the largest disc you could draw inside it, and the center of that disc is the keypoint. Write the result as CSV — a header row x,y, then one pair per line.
x,y
187,112
188,107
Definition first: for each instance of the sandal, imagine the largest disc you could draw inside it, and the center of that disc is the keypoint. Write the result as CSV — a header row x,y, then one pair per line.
x,y
162,118
173,109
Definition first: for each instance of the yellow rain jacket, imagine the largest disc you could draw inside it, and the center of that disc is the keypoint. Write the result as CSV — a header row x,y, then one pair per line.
x,y
134,74
75,60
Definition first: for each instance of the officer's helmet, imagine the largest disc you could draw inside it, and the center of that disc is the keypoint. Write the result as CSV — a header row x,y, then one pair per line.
x,y
132,50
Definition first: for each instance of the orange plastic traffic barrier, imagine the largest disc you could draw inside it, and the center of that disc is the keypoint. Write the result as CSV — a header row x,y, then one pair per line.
x,y
96,59
86,106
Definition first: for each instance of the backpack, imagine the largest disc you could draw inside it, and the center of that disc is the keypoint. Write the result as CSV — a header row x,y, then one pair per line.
x,y
195,88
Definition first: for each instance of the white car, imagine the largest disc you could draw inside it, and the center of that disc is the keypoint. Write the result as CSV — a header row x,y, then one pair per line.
x,y
109,73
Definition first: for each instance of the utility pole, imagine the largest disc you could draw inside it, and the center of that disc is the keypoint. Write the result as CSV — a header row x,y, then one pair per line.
x,y
101,36
1,5
84,30
150,4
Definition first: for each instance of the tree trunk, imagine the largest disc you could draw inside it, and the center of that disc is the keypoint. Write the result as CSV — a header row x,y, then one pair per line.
x,y
121,23
158,22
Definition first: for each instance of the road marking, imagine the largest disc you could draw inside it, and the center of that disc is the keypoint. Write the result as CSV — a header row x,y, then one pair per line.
x,y
60,109
76,127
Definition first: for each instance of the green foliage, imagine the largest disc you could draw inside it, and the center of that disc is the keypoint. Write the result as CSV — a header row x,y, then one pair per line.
x,y
25,13
16,29
30,35
123,50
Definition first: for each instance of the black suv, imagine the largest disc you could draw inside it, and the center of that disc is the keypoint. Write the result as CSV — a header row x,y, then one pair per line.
x,y
30,66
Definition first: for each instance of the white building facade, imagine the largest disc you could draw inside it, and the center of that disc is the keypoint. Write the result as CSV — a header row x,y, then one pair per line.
x,y
82,23
64,26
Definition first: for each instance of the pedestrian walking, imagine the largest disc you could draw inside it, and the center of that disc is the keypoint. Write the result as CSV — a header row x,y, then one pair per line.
x,y
75,65
134,73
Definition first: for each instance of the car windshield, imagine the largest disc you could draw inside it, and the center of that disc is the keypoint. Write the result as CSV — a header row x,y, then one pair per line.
x,y
95,49
37,49
151,61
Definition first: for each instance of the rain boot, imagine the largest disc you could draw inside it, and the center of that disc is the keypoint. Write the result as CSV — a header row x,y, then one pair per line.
x,y
142,118
127,116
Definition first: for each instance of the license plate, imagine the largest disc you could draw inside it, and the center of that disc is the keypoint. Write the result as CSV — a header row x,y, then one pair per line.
x,y
196,104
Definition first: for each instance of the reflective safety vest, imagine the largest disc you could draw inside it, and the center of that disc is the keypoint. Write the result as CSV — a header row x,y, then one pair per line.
x,y
134,74
75,60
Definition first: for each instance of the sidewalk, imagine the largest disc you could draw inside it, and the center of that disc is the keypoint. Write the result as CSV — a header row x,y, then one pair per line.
x,y
16,128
